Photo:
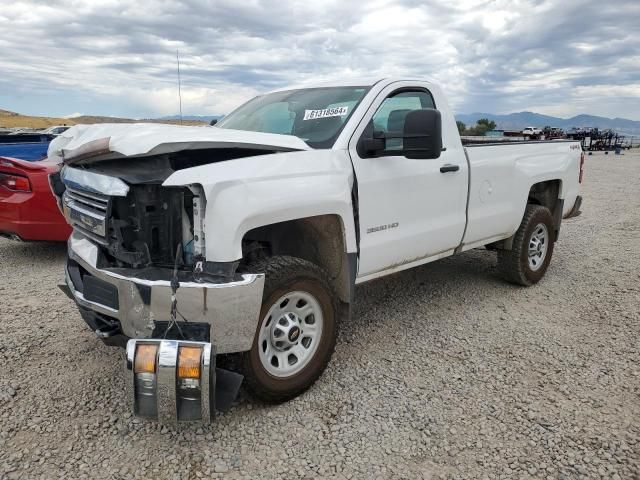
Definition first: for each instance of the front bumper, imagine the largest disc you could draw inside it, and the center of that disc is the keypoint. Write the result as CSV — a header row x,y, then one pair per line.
x,y
138,299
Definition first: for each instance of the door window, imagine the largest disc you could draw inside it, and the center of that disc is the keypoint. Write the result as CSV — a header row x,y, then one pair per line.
x,y
389,119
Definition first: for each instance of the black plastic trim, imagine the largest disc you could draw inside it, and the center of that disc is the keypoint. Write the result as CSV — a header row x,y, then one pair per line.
x,y
352,259
145,293
575,211
557,217
218,269
99,291
74,274
106,328
194,331
66,290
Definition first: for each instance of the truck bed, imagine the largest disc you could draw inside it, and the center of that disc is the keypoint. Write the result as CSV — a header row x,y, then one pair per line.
x,y
468,141
502,174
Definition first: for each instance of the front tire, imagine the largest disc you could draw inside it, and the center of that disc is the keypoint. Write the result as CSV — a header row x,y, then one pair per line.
x,y
296,332
528,260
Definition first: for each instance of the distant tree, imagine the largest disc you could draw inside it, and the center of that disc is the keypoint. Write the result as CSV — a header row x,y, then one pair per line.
x,y
461,127
490,124
481,128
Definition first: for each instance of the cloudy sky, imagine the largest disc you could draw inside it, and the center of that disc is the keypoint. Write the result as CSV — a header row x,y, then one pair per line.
x,y
118,57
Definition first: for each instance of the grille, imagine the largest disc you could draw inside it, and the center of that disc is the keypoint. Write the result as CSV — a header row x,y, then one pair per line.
x,y
87,212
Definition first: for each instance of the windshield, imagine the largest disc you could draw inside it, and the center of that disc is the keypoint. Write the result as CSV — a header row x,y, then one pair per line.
x,y
315,115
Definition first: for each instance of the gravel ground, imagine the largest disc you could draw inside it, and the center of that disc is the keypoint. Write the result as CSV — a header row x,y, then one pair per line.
x,y
444,371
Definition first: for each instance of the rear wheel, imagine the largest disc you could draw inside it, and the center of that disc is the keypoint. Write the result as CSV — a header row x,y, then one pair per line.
x,y
529,258
296,332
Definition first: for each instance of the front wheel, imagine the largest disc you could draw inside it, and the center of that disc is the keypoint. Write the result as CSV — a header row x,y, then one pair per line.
x,y
296,332
529,258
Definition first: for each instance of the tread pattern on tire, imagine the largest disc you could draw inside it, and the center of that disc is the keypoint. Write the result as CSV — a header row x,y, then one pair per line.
x,y
277,270
509,261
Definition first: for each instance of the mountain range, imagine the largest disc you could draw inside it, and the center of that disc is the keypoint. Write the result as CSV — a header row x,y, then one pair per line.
x,y
520,120
10,119
512,121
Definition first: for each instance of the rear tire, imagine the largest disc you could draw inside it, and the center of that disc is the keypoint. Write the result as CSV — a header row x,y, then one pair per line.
x,y
296,332
528,260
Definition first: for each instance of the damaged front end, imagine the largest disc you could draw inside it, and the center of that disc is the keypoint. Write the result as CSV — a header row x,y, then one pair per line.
x,y
138,223
137,270
137,262
121,303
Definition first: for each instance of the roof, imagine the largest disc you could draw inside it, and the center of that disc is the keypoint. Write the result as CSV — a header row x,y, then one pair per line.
x,y
349,82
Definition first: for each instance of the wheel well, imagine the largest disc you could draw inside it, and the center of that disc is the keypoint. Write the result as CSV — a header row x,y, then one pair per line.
x,y
547,194
319,239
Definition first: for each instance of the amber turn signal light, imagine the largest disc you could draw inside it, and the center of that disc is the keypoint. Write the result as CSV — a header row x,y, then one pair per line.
x,y
145,361
189,362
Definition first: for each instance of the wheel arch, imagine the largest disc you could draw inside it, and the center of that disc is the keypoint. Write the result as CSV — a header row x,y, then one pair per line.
x,y
548,194
320,239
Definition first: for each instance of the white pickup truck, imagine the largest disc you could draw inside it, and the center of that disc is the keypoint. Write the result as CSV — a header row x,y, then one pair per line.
x,y
249,237
532,132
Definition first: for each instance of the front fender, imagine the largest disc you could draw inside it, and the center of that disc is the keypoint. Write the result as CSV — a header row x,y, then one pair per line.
x,y
251,192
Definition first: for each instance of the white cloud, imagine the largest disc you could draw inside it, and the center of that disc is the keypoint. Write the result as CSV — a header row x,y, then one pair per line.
x,y
118,56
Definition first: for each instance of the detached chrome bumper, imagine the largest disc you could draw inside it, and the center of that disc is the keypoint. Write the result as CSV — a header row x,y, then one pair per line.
x,y
139,298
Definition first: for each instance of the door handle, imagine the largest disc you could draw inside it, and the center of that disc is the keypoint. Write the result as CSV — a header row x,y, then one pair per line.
x,y
449,168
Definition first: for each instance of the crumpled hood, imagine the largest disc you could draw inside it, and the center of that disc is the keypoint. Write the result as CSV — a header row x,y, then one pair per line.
x,y
112,140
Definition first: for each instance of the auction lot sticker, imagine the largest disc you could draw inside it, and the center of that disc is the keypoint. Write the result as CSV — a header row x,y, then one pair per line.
x,y
325,113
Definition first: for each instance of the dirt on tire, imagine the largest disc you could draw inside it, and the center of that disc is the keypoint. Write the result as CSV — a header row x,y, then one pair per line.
x,y
284,274
514,264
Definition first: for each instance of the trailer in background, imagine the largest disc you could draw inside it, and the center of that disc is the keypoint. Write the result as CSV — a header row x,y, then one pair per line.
x,y
596,140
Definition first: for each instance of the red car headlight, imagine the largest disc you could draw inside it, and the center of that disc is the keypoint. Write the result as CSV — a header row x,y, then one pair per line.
x,y
14,183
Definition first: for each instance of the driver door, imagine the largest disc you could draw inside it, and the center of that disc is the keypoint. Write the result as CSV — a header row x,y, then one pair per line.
x,y
410,210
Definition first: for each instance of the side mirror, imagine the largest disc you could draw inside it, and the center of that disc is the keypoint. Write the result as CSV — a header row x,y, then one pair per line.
x,y
422,135
213,122
372,142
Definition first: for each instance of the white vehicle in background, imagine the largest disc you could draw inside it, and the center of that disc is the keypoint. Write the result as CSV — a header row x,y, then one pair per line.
x,y
55,130
25,131
532,132
249,237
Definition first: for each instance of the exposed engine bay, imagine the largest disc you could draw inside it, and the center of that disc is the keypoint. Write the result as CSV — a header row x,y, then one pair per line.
x,y
149,225
145,227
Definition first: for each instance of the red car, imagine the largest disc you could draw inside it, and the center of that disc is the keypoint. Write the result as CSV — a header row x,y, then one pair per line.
x,y
28,209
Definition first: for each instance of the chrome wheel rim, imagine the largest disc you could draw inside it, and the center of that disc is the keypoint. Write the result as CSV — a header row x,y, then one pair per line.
x,y
538,244
290,334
